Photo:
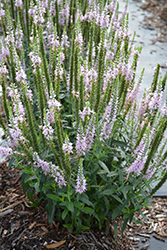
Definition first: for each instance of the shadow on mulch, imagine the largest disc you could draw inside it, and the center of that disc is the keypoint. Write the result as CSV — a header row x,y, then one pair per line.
x,y
22,227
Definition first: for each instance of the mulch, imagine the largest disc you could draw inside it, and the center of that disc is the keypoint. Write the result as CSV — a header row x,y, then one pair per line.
x,y
157,18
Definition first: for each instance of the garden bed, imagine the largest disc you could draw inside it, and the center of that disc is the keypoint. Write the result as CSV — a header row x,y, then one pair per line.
x,y
27,228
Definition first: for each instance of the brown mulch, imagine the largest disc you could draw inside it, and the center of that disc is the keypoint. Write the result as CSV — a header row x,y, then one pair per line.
x,y
23,227
157,18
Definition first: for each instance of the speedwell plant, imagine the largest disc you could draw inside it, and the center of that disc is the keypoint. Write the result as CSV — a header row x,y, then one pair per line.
x,y
86,147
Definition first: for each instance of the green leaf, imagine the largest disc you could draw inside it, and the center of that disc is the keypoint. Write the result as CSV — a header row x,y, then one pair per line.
x,y
70,207
103,165
144,217
85,200
78,204
138,221
70,226
36,186
25,185
119,143
111,174
121,175
64,214
84,227
118,210
124,193
10,163
50,208
63,194
124,225
27,171
64,203
30,194
87,210
31,178
107,203
54,197
116,198
107,192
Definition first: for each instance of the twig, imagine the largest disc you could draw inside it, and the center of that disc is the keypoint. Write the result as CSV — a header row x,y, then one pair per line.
x,y
6,212
13,243
98,243
11,206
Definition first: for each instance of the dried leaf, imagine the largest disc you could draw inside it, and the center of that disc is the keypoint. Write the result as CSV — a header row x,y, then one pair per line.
x,y
54,245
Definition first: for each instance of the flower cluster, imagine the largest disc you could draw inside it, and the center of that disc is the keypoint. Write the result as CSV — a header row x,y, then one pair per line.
x,y
81,181
140,157
50,168
84,139
5,151
108,120
67,146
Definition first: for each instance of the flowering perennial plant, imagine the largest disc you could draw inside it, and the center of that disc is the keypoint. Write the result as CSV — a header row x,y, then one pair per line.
x,y
73,125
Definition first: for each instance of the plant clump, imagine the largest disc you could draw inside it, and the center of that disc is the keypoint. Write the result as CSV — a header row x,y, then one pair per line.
x,y
84,144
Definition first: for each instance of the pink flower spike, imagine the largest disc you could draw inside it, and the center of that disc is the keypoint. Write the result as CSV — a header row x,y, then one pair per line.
x,y
81,181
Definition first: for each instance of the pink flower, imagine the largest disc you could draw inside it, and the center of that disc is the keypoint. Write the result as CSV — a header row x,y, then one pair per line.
x,y
5,151
18,3
81,181
50,168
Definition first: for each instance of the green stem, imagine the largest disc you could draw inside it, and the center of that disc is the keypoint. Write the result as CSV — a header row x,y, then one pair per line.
x,y
81,93
76,85
159,185
27,19
5,103
61,137
56,155
100,73
2,123
12,9
40,93
57,17
154,145
31,123
155,80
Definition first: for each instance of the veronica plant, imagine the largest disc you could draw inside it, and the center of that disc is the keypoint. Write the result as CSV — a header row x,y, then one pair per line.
x,y
84,144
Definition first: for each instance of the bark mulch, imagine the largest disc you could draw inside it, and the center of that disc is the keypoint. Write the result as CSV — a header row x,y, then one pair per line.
x,y
157,19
